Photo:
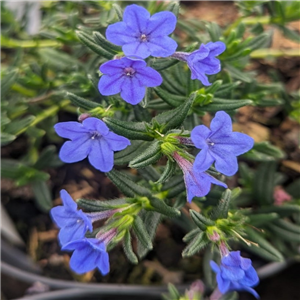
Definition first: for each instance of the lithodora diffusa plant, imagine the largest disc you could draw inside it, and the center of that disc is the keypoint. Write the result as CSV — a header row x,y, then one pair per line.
x,y
150,119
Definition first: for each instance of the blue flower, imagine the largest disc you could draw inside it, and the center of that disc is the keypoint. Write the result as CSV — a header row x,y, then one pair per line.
x,y
197,184
73,223
203,61
88,254
90,139
220,145
130,77
142,35
235,274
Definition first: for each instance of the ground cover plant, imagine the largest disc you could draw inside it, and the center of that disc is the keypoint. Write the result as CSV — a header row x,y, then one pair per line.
x,y
164,123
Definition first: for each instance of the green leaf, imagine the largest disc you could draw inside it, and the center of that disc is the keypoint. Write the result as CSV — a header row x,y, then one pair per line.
x,y
149,173
105,44
87,40
214,31
128,248
118,11
125,156
171,99
81,102
151,220
197,244
131,130
7,81
281,230
237,74
225,104
148,157
90,205
284,210
289,226
127,186
265,249
42,195
191,235
175,117
175,186
173,7
221,211
15,126
142,233
161,207
293,189
264,183
48,158
160,64
10,168
201,221
230,296
7,138
168,171
290,34
262,219
261,41
209,275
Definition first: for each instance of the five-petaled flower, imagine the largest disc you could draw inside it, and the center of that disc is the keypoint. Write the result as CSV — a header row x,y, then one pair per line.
x,y
130,77
220,145
141,35
91,139
73,223
203,61
197,184
235,273
88,254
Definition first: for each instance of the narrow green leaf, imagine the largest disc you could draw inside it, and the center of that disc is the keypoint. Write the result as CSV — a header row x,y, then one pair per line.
x,y
131,130
7,81
160,64
91,205
262,219
237,74
284,210
191,235
284,233
128,249
142,233
197,244
168,171
224,104
7,138
81,102
171,99
118,11
148,157
201,221
149,173
105,44
161,207
127,186
261,41
42,196
221,211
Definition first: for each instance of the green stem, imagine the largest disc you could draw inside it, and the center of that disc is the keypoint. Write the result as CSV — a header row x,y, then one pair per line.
x,y
12,43
263,53
45,114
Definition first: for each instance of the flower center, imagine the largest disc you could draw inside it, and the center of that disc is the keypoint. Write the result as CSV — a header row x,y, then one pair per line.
x,y
209,142
129,71
95,135
143,37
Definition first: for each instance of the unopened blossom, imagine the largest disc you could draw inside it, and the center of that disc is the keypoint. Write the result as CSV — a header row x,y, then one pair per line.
x,y
197,184
219,145
89,253
143,35
91,139
130,77
235,273
73,223
280,196
203,62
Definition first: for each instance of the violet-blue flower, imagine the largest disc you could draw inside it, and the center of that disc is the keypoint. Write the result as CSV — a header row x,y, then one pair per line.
x,y
203,61
235,273
91,139
197,184
88,254
73,223
130,77
141,35
219,145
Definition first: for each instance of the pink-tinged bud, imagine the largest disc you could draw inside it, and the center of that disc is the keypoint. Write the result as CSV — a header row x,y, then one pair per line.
x,y
106,237
281,196
223,249
96,216
214,237
185,141
83,116
197,287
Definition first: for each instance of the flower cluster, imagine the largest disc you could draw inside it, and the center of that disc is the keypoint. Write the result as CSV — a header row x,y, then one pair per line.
x,y
73,223
140,36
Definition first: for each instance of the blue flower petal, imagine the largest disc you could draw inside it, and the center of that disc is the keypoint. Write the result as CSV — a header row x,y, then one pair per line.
x,y
149,77
232,273
199,136
101,156
161,23
132,91
94,124
162,46
221,125
137,48
74,231
226,162
67,200
233,259
214,266
223,284
116,142
103,264
76,150
203,160
216,48
69,130
114,66
120,34
251,277
136,18
111,84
